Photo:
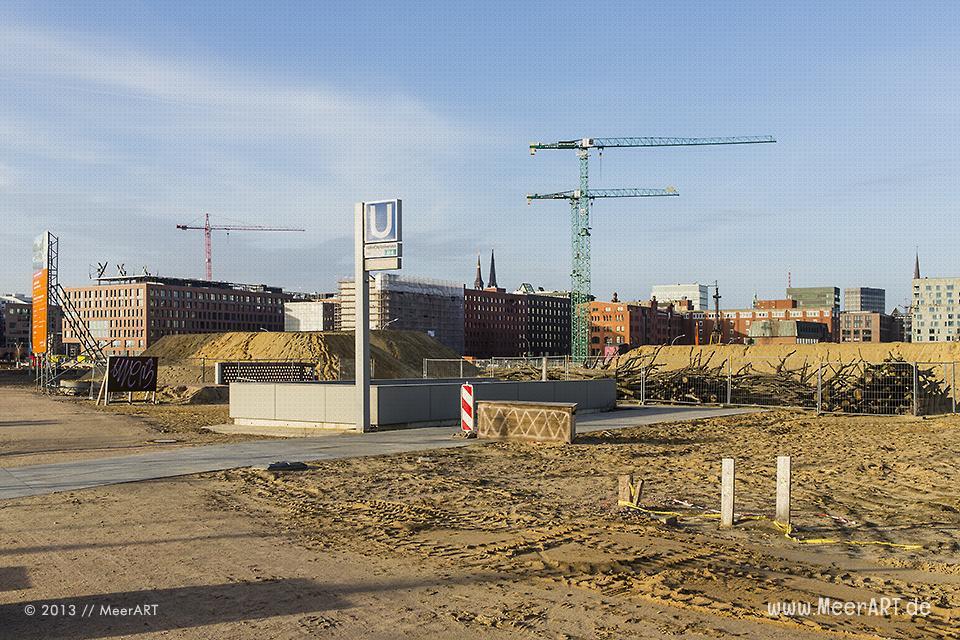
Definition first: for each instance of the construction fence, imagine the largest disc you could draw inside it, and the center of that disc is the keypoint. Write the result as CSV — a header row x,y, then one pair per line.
x,y
890,387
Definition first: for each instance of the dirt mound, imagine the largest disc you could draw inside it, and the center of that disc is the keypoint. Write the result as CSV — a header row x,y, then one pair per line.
x,y
189,359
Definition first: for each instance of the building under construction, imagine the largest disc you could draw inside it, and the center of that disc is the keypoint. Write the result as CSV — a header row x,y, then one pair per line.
x,y
434,307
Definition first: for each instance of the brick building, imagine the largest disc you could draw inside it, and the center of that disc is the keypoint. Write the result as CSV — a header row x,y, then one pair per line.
x,y
625,325
127,314
527,322
869,326
735,323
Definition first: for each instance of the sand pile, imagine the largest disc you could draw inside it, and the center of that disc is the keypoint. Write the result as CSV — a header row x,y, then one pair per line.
x,y
189,359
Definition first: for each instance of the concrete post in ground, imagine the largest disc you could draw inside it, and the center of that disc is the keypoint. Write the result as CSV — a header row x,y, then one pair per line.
x,y
461,367
543,369
783,490
953,384
727,476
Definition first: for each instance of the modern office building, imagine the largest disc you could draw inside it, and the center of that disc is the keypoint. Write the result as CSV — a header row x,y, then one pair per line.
x,y
869,326
815,296
127,314
865,299
434,307
936,310
697,294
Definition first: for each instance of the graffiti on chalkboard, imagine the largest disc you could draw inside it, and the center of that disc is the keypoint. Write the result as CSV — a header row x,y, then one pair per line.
x,y
131,373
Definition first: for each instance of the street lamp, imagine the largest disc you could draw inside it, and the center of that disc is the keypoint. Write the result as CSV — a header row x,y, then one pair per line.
x,y
387,324
674,341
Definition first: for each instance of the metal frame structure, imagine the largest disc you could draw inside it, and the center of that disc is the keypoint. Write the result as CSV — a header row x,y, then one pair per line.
x,y
580,214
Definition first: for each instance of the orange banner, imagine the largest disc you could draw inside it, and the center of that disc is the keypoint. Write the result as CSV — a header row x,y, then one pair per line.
x,y
39,312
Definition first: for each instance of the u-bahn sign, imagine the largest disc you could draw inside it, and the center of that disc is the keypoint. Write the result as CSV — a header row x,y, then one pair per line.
x,y
382,238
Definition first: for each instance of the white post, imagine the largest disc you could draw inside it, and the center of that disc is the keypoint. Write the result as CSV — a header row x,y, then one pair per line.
x,y
543,370
362,330
783,490
461,367
727,476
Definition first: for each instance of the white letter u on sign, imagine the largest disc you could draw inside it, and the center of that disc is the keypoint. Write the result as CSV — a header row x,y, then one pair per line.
x,y
374,230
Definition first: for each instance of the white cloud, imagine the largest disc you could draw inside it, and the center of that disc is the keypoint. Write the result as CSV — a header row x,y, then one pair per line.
x,y
111,135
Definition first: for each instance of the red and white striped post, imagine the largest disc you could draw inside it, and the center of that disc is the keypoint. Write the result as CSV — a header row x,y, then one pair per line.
x,y
467,407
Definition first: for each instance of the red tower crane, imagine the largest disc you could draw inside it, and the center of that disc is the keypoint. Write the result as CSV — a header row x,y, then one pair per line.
x,y
207,228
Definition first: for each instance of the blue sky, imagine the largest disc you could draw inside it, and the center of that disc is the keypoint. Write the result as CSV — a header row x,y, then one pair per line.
x,y
119,121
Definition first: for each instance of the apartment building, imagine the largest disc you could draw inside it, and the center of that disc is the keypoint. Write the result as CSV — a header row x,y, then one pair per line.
x,y
936,310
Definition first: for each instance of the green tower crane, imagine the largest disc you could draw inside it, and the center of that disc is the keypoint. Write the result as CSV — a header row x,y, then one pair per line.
x,y
580,200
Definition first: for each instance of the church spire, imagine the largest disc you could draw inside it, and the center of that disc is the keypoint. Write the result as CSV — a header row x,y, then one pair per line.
x,y
492,281
916,266
478,282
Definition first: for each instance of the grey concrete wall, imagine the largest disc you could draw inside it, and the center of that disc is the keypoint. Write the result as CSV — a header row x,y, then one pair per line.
x,y
414,402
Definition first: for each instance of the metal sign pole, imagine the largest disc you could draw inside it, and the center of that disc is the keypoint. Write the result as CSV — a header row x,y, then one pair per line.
x,y
362,326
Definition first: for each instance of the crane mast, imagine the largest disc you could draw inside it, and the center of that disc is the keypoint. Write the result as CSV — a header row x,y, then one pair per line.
x,y
580,199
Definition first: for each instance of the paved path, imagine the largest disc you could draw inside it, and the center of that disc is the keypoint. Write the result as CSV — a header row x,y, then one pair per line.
x,y
17,482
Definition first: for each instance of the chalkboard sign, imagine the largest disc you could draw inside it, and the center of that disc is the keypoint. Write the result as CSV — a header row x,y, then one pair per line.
x,y
131,373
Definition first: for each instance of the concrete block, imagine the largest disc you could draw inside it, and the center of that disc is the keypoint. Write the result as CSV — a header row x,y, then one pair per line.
x,y
602,394
340,404
252,400
300,402
399,404
527,421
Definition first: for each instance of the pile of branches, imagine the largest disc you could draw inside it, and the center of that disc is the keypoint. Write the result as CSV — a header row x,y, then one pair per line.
x,y
854,387
884,388
701,382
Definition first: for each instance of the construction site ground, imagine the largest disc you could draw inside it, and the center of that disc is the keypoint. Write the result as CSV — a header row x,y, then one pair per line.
x,y
510,540
39,429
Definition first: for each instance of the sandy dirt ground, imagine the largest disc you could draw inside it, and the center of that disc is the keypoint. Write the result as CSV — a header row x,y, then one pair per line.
x,y
508,540
37,429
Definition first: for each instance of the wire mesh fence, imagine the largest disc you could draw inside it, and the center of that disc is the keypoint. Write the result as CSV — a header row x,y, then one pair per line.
x,y
891,387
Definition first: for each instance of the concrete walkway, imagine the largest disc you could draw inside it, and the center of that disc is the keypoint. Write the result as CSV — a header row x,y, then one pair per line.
x,y
17,482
